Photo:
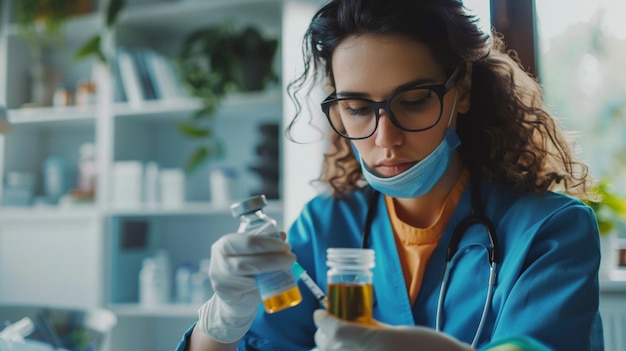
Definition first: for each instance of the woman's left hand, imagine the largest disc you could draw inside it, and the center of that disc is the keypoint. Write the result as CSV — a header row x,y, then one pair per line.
x,y
334,334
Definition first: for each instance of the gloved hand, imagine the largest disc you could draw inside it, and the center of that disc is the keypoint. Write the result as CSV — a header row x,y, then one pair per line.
x,y
334,334
235,260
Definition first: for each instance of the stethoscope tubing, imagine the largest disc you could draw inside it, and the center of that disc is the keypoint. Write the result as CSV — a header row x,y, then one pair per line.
x,y
476,218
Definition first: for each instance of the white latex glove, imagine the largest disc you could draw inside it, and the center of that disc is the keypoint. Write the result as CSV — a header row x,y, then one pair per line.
x,y
235,260
334,334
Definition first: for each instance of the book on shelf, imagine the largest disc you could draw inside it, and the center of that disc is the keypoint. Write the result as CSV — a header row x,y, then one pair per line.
x,y
119,91
145,77
130,78
145,74
163,75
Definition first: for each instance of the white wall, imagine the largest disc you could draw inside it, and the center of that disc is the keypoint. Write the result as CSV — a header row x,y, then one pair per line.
x,y
301,162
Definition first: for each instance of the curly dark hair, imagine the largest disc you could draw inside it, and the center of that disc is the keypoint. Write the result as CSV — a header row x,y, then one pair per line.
x,y
507,135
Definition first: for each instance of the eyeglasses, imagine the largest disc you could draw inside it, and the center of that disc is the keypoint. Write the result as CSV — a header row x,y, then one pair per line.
x,y
411,108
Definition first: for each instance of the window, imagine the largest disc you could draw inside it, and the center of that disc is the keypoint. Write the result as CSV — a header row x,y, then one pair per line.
x,y
581,50
480,9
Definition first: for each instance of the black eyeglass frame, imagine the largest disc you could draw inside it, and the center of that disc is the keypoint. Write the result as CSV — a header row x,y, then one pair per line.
x,y
440,89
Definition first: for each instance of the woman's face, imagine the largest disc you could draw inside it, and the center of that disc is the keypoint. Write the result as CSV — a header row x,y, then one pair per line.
x,y
373,67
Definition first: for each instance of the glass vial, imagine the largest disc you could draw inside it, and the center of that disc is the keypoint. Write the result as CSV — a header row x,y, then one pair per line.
x,y
278,289
87,170
350,290
154,280
201,289
182,286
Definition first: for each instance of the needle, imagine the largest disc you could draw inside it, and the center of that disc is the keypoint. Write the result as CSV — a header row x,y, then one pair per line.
x,y
308,281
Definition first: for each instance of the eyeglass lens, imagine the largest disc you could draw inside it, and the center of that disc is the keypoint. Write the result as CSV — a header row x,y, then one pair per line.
x,y
415,109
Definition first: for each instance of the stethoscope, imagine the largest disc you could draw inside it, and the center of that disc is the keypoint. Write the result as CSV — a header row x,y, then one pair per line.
x,y
477,217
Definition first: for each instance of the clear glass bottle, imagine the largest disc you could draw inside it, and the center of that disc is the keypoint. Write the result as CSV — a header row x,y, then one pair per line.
x,y
87,170
278,288
154,284
182,286
350,290
201,289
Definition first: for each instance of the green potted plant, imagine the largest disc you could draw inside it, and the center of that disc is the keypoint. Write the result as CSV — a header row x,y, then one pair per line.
x,y
610,211
40,24
214,62
93,47
40,21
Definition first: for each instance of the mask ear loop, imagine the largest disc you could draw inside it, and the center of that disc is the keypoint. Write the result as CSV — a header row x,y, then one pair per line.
x,y
456,93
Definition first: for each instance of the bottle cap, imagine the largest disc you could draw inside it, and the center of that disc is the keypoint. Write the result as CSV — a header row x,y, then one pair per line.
x,y
252,204
349,258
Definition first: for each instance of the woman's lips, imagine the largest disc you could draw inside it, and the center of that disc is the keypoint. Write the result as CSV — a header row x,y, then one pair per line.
x,y
390,169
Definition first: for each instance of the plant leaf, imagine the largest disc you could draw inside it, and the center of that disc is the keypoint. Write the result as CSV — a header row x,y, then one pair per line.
x,y
193,131
198,157
605,226
90,47
616,204
609,209
115,6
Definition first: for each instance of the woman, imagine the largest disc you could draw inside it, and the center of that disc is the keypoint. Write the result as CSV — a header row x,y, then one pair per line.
x,y
430,112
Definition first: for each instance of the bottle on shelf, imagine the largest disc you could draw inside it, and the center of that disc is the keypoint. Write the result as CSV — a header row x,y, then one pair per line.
x,y
201,289
183,284
87,170
54,179
154,280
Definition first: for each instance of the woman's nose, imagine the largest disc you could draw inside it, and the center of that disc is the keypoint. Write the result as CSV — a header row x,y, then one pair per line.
x,y
387,134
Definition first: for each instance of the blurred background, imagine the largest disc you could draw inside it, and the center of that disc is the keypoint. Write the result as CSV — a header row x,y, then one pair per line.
x,y
135,125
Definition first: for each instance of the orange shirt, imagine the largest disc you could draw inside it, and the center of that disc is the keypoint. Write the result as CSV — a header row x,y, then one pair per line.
x,y
416,245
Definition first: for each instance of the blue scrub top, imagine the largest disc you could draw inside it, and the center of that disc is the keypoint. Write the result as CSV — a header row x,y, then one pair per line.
x,y
547,284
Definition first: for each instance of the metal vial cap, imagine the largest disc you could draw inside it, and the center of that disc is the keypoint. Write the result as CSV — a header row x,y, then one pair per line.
x,y
252,204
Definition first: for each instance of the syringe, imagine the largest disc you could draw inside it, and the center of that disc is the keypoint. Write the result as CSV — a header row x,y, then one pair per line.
x,y
308,281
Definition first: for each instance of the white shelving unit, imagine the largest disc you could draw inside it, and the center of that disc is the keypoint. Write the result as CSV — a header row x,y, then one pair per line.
x,y
613,311
89,255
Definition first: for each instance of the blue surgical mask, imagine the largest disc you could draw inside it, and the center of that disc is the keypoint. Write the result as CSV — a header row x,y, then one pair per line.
x,y
422,177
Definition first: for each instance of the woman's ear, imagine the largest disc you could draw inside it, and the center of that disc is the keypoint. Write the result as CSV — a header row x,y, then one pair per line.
x,y
465,88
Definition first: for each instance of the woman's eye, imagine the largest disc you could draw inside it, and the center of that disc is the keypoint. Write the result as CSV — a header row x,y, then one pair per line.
x,y
415,99
413,102
357,109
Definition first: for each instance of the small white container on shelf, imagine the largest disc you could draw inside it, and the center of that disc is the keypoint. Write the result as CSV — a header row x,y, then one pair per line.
x,y
223,182
155,281
127,183
172,187
151,183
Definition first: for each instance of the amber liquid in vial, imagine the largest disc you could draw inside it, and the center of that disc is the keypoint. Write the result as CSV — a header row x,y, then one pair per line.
x,y
283,300
351,302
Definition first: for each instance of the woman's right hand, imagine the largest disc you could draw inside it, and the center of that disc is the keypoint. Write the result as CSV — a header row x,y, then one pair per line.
x,y
235,260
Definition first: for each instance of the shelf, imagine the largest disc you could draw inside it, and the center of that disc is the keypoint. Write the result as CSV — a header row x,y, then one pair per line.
x,y
90,210
166,16
242,106
33,213
188,209
236,106
616,284
170,310
76,29
157,110
39,116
